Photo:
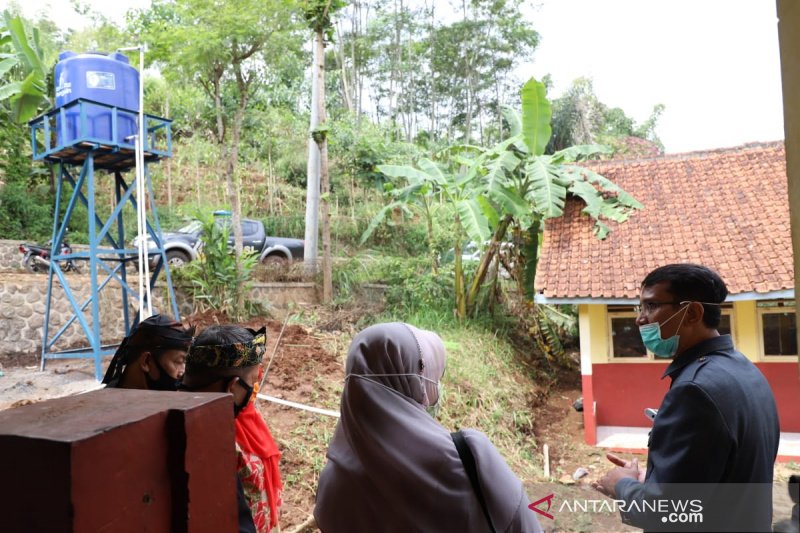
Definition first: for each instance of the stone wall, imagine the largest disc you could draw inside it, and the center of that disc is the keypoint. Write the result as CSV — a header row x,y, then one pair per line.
x,y
10,258
23,299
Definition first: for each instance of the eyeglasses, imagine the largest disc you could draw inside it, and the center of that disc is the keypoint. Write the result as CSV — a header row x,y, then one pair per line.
x,y
648,308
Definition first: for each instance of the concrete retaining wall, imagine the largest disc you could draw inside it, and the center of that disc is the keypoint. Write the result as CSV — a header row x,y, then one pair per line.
x,y
10,258
22,309
23,300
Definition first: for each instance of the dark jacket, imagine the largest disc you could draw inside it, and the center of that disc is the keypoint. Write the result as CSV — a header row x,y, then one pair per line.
x,y
246,524
714,440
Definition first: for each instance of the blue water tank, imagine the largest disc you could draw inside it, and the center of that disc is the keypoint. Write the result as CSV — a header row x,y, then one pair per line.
x,y
104,78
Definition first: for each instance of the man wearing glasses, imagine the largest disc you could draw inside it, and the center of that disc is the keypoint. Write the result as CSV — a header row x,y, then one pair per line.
x,y
715,437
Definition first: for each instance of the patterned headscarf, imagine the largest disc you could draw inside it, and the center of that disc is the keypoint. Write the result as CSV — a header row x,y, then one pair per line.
x,y
236,355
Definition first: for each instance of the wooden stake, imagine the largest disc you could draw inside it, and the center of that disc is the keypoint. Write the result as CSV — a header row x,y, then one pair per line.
x,y
546,452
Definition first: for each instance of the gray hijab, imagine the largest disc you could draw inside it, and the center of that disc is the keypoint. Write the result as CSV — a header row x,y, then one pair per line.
x,y
391,466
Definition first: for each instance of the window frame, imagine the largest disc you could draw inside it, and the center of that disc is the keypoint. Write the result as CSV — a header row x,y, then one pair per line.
x,y
777,309
620,312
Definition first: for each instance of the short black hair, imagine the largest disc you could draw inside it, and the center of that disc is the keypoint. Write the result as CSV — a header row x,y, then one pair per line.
x,y
692,282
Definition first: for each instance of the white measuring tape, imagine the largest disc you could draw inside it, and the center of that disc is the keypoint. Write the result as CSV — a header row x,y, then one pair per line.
x,y
326,412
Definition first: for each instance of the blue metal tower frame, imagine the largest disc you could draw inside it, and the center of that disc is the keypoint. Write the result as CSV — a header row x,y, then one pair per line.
x,y
64,137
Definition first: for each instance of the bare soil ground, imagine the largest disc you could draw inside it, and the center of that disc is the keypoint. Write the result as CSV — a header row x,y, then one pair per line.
x,y
307,367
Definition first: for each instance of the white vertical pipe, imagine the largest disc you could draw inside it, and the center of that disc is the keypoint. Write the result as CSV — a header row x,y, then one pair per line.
x,y
142,241
141,196
140,166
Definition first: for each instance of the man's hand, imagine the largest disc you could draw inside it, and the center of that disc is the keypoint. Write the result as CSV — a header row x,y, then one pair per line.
x,y
624,469
619,461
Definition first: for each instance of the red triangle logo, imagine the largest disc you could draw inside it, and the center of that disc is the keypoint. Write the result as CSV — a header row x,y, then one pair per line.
x,y
549,500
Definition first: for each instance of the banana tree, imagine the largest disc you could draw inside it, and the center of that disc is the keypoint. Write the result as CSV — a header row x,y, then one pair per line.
x,y
23,73
416,196
457,182
525,187
511,183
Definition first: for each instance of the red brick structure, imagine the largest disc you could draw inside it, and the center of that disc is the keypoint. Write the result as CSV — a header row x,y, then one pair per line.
x,y
119,460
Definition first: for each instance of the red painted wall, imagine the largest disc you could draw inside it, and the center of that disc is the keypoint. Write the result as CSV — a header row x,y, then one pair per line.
x,y
784,378
623,390
589,421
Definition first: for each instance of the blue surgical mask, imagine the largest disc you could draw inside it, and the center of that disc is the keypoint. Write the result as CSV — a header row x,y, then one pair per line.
x,y
651,336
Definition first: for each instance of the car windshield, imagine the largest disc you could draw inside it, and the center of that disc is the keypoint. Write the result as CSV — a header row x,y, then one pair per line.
x,y
192,227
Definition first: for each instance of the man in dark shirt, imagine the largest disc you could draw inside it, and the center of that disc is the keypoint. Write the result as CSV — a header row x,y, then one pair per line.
x,y
714,440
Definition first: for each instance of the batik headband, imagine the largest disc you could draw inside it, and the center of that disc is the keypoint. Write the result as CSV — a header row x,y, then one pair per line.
x,y
236,355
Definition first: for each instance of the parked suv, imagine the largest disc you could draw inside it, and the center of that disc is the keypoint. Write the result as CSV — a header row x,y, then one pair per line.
x,y
184,245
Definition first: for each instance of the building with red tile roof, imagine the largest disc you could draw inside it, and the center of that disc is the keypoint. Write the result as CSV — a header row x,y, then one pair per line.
x,y
727,209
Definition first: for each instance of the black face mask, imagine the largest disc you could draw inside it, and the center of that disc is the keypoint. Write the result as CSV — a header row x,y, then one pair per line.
x,y
237,407
164,381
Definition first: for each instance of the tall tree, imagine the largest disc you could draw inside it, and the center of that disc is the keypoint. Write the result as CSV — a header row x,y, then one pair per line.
x,y
318,15
472,63
224,47
579,117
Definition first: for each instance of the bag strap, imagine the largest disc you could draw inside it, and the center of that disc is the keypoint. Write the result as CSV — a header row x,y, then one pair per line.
x,y
468,461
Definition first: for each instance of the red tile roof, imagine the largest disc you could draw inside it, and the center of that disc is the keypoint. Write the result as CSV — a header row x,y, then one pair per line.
x,y
727,209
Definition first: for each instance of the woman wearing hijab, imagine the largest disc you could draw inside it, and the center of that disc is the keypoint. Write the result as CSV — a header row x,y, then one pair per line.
x,y
392,466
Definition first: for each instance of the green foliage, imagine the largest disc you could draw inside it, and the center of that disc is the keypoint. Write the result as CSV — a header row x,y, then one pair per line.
x,y
488,189
22,70
535,107
102,35
213,279
357,146
411,287
318,14
25,214
579,117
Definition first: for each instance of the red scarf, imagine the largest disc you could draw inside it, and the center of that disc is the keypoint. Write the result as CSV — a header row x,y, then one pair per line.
x,y
253,437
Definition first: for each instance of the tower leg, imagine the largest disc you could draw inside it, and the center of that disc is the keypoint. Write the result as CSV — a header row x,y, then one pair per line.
x,y
94,337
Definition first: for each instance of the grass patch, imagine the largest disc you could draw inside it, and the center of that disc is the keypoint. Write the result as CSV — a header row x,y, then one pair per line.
x,y
486,389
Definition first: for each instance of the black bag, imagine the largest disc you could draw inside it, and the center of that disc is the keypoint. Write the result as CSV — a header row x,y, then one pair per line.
x,y
472,473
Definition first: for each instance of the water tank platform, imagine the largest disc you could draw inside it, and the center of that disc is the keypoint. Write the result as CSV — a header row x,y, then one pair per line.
x,y
106,156
69,134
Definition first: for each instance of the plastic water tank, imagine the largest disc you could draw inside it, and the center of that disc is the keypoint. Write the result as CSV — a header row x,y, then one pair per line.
x,y
104,78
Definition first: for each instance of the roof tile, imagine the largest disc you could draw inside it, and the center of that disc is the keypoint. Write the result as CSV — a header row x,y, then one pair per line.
x,y
727,209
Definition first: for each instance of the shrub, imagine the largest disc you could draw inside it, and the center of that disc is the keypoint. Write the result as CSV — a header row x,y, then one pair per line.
x,y
25,214
213,280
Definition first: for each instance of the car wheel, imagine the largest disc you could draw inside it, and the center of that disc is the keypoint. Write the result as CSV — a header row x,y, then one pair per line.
x,y
275,263
176,258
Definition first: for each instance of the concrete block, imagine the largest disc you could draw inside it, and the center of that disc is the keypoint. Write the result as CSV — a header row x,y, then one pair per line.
x,y
120,460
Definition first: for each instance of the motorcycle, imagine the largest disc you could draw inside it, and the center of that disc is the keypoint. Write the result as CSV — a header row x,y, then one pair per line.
x,y
36,258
